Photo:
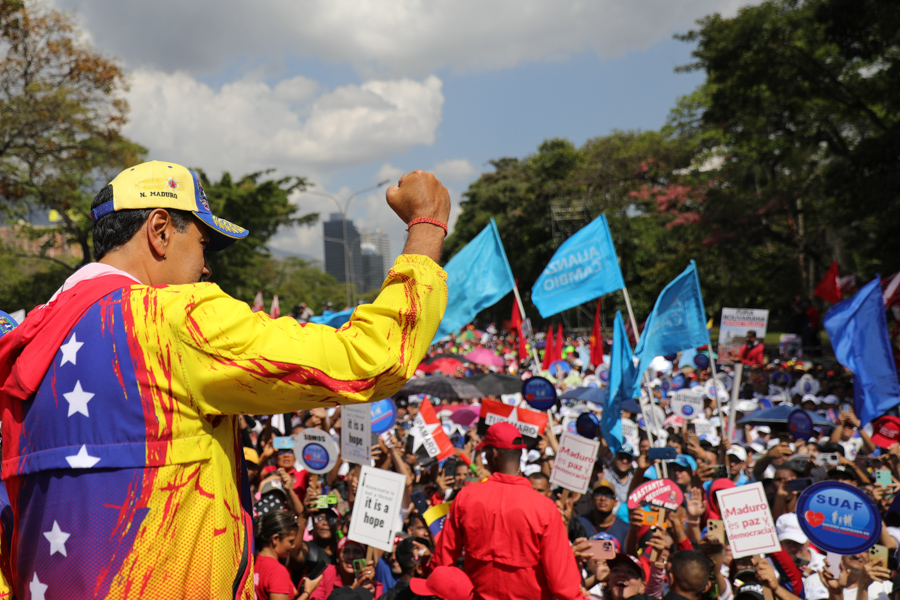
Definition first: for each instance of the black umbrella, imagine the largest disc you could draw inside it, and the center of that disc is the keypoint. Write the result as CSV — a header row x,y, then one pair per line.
x,y
445,388
778,415
495,384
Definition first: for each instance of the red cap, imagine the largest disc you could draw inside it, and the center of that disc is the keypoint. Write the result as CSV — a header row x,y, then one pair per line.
x,y
502,435
448,583
886,431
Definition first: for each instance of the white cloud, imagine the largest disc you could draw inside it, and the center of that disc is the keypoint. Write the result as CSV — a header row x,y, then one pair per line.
x,y
394,37
389,171
459,169
294,127
369,211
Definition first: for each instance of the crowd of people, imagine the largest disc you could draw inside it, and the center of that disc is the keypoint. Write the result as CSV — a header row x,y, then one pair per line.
x,y
676,557
140,455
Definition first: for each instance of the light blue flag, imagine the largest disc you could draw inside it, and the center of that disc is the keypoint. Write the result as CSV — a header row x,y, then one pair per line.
x,y
332,319
477,277
859,335
585,267
678,322
621,381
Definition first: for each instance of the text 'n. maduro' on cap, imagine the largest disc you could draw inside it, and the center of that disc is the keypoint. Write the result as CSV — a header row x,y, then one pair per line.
x,y
158,184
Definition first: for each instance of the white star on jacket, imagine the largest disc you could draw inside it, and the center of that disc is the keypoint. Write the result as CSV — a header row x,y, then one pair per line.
x,y
82,460
37,588
421,430
70,350
78,400
57,538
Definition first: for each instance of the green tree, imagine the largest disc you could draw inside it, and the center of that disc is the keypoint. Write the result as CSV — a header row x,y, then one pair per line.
x,y
61,116
802,97
262,206
296,280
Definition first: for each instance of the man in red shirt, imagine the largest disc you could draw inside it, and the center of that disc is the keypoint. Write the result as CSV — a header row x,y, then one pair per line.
x,y
514,539
752,350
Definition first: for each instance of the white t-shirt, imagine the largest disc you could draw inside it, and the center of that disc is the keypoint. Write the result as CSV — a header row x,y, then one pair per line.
x,y
813,587
877,591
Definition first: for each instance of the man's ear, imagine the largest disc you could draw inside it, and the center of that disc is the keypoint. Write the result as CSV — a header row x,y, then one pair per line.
x,y
158,231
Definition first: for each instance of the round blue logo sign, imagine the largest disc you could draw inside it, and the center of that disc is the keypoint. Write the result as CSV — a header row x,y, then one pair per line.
x,y
539,393
315,456
587,425
838,517
7,323
800,424
384,415
687,410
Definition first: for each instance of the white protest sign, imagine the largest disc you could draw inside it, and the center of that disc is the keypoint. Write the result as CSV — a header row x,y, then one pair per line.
x,y
736,322
377,508
687,404
630,432
702,427
574,462
748,520
316,450
356,433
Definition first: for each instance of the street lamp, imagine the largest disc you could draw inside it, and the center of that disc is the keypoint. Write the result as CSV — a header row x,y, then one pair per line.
x,y
348,270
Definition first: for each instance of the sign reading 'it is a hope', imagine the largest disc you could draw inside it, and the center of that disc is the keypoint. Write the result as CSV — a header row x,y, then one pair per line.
x,y
585,267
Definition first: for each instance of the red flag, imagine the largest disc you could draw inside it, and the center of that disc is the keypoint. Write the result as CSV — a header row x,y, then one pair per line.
x,y
829,289
430,441
258,303
560,344
597,338
275,311
548,350
515,323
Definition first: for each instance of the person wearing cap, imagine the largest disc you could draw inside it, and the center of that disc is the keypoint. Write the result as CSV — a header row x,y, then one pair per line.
x,y
850,435
514,540
621,472
603,518
444,583
627,577
736,456
121,395
342,573
807,559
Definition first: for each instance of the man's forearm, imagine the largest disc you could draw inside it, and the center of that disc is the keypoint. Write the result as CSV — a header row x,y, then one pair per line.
x,y
425,239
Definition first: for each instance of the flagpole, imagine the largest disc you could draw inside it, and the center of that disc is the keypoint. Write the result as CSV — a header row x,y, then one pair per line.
x,y
646,379
522,315
637,334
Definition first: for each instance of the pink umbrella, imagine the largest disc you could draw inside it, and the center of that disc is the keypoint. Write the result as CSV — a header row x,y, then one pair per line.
x,y
483,356
464,416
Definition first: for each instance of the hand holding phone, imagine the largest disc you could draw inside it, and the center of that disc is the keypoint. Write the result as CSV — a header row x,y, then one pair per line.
x,y
883,478
799,484
715,528
283,442
359,564
877,552
602,549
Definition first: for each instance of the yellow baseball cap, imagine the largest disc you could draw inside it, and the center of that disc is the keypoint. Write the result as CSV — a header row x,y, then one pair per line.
x,y
158,184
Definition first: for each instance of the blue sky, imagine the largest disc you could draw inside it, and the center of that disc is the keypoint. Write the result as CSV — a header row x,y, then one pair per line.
x,y
351,92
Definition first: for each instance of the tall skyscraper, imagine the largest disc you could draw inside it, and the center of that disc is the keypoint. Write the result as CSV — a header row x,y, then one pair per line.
x,y
382,244
333,229
373,268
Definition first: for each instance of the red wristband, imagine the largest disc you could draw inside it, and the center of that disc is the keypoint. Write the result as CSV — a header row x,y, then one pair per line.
x,y
428,220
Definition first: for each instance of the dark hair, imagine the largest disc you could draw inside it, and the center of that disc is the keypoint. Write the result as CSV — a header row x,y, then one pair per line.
x,y
691,569
277,522
539,476
116,229
508,455
405,553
